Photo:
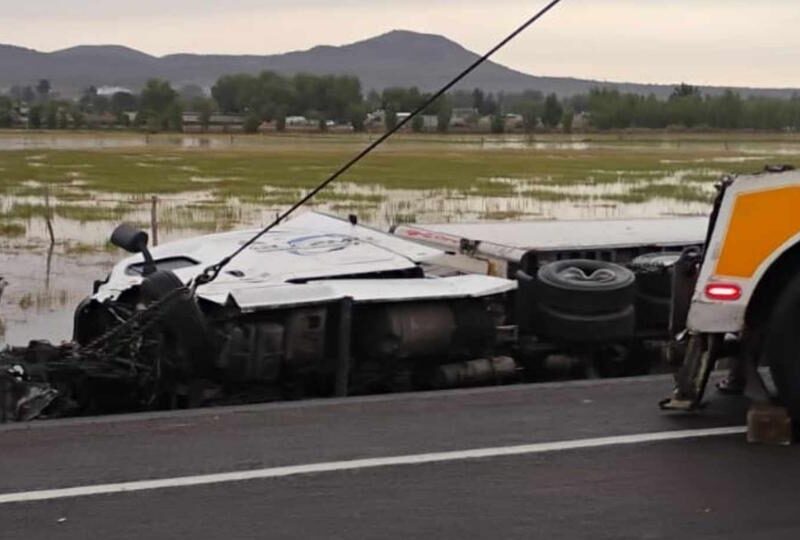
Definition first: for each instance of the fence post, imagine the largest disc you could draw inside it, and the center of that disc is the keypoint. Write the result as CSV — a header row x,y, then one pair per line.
x,y
154,219
48,215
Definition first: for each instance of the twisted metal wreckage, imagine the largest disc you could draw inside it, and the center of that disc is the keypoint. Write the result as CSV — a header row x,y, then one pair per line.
x,y
175,330
320,306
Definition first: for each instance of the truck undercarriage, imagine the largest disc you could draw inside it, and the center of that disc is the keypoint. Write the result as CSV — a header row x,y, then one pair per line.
x,y
326,307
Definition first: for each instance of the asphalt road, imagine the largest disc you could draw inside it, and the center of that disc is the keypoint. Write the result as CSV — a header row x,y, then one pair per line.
x,y
714,487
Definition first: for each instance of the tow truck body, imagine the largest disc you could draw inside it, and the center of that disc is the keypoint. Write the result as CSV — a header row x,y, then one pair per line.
x,y
740,290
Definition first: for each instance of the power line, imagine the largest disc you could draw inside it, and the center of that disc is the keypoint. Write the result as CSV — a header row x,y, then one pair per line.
x,y
210,273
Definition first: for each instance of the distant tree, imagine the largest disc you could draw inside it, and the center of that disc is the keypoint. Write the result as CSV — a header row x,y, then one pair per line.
x,y
6,107
477,99
28,95
391,119
530,111
122,101
498,123
280,122
63,119
35,117
444,114
15,93
357,115
402,99
51,115
231,92
579,103
490,106
43,88
553,111
88,96
251,123
78,118
159,106
158,96
726,111
567,120
373,101
684,90
190,92
205,107
417,124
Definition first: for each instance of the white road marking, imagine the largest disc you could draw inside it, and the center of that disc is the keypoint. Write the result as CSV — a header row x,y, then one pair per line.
x,y
335,466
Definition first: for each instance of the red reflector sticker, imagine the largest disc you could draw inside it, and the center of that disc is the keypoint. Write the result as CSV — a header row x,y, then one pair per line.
x,y
723,291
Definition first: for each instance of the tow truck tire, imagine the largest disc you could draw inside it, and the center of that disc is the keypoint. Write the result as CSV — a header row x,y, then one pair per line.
x,y
574,328
782,347
654,272
585,287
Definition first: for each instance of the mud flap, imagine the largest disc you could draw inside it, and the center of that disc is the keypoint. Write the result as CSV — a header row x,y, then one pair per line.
x,y
692,378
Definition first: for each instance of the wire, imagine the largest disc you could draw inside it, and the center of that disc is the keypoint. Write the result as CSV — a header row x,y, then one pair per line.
x,y
211,273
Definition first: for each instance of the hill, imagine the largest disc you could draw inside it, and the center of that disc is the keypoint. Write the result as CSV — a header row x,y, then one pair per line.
x,y
398,58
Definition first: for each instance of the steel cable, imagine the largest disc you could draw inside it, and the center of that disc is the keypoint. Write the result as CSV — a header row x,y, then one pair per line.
x,y
211,272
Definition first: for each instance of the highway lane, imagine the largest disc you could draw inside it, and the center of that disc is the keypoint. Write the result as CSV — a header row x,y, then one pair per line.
x,y
705,487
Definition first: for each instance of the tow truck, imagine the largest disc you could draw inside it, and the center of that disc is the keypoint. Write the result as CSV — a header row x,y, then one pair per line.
x,y
743,287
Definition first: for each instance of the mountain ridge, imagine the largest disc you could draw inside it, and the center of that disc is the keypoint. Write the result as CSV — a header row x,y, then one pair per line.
x,y
395,58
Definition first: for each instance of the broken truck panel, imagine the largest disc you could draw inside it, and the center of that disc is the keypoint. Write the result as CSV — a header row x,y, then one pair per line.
x,y
293,264
512,241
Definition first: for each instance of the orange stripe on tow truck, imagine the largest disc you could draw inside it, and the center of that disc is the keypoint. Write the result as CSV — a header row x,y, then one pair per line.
x,y
761,223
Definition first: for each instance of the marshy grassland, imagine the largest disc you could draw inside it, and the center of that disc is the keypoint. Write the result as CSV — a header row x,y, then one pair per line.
x,y
208,183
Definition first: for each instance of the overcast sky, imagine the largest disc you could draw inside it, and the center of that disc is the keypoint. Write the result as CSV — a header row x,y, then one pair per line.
x,y
722,42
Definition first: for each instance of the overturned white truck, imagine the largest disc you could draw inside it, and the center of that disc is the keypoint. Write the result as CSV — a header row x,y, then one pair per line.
x,y
322,306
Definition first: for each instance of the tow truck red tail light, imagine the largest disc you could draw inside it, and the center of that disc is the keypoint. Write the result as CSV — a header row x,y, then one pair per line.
x,y
723,291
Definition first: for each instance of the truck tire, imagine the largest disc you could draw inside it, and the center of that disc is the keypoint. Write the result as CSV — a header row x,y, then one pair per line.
x,y
585,287
652,312
182,319
575,328
782,347
654,272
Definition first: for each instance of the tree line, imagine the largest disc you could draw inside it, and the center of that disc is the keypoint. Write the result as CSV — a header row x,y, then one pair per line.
x,y
340,100
687,107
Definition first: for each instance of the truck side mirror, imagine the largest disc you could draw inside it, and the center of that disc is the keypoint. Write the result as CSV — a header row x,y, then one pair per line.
x,y
129,238
134,240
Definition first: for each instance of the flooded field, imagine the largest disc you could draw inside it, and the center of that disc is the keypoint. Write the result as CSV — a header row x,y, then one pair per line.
x,y
88,183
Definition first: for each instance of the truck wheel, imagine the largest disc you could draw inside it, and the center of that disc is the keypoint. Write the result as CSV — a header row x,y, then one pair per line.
x,y
182,319
654,272
782,347
585,287
575,328
652,312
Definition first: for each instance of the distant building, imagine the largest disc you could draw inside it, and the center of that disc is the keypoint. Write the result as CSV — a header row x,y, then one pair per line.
x,y
581,120
376,120
464,117
430,122
514,122
217,123
111,90
297,121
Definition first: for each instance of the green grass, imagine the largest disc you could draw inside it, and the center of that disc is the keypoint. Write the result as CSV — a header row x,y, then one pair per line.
x,y
73,212
245,172
12,230
273,172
